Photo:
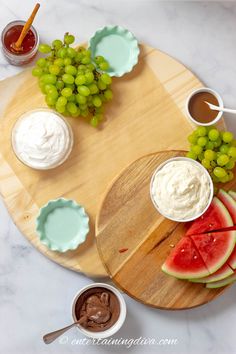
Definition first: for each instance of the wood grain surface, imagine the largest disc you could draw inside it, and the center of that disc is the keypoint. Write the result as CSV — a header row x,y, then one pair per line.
x,y
134,240
146,115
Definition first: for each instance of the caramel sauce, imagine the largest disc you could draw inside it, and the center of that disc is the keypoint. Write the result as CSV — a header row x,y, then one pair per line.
x,y
200,110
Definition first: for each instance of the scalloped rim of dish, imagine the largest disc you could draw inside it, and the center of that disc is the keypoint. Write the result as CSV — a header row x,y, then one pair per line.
x,y
40,220
126,34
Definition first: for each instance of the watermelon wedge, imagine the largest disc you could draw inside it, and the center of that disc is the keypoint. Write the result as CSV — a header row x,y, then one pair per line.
x,y
215,218
215,248
220,283
185,261
229,203
232,194
232,259
224,272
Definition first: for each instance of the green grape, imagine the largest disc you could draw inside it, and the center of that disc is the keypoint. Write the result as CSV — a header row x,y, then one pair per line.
x,y
80,80
71,107
71,98
41,62
230,165
50,88
83,90
191,155
67,61
106,79
89,77
99,59
80,99
213,164
206,163
214,178
54,69
57,44
83,107
69,38
94,121
59,62
201,156
104,66
210,145
68,79
213,134
224,179
93,88
60,108
192,139
91,67
224,148
97,101
232,151
44,48
49,79
202,141
50,100
70,69
82,67
196,149
109,95
222,160
218,142
71,52
59,84
219,172
233,143
72,86
84,113
227,137
230,175
209,155
37,72
201,131
62,53
66,92
85,60
101,85
61,101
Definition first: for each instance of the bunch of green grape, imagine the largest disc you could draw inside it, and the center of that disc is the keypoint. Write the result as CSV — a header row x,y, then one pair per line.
x,y
216,150
73,83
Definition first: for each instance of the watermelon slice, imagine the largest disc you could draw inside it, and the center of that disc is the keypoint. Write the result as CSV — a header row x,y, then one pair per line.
x,y
232,194
229,203
216,217
220,283
215,248
232,259
224,272
185,261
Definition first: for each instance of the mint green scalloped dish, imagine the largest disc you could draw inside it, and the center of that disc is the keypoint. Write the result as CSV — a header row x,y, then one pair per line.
x,y
62,225
118,46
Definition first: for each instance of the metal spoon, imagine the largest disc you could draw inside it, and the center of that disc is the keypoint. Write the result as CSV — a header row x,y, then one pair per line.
x,y
221,109
50,337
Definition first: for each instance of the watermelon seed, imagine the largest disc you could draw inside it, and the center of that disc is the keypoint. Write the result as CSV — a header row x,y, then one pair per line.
x,y
171,245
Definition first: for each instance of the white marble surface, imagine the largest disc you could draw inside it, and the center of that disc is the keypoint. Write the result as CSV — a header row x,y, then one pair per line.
x,y
36,294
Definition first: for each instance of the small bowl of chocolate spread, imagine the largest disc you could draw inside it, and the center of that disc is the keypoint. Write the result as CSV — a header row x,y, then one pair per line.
x,y
198,110
102,309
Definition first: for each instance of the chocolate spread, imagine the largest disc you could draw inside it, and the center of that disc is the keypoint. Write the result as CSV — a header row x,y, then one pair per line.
x,y
100,307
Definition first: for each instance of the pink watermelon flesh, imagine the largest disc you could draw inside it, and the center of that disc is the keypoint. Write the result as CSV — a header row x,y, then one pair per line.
x,y
229,203
215,218
222,273
232,259
232,194
221,283
185,261
215,248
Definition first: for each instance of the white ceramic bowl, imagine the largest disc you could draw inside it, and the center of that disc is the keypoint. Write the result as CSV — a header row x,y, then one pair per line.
x,y
203,170
217,96
117,325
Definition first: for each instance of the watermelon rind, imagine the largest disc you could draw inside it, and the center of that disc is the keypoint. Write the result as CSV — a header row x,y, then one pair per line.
x,y
186,275
229,251
228,202
222,274
231,261
232,194
221,283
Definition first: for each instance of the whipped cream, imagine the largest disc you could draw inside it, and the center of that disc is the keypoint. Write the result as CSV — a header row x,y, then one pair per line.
x,y
42,139
181,190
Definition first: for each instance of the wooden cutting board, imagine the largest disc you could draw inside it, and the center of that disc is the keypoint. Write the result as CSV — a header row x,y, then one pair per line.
x,y
146,115
134,240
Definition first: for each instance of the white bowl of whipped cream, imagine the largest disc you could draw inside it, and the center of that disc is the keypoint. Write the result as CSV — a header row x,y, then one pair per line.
x,y
42,139
181,189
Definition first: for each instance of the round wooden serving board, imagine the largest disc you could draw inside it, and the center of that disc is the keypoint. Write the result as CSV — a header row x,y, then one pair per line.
x,y
134,240
146,115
